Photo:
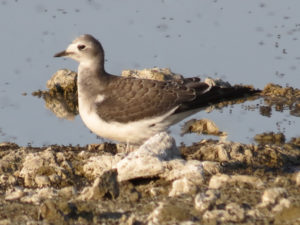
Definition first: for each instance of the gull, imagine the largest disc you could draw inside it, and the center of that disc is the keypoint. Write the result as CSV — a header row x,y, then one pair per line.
x,y
131,110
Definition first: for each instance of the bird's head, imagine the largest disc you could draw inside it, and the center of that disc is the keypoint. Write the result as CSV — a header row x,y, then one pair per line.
x,y
83,49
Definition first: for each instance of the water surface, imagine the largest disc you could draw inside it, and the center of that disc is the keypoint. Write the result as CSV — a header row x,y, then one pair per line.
x,y
249,42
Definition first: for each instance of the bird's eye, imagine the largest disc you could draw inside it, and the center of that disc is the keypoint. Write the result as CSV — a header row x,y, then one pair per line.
x,y
81,47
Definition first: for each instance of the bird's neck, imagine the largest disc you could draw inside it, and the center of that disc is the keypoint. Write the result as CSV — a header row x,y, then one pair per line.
x,y
90,76
94,65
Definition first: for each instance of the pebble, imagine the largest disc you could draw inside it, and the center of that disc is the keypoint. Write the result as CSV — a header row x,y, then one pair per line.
x,y
272,196
206,200
168,212
232,213
67,192
220,180
14,194
297,178
42,181
106,183
182,186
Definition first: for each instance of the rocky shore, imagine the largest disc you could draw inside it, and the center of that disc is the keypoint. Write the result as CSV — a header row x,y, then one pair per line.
x,y
209,182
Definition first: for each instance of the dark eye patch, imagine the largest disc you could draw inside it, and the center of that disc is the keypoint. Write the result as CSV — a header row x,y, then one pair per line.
x,y
81,47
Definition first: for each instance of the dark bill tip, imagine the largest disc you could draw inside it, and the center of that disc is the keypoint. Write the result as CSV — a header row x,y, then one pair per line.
x,y
60,54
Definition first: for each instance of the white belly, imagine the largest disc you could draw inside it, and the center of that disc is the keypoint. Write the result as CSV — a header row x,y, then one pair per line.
x,y
133,132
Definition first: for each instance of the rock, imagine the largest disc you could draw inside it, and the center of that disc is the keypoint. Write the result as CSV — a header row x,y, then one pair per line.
x,y
178,168
65,107
105,184
42,168
65,79
282,181
237,153
272,196
295,141
270,138
208,150
297,178
161,74
203,126
61,98
275,198
251,180
217,181
157,157
96,165
38,195
67,192
211,217
130,221
42,181
6,179
255,213
235,212
106,147
50,212
54,178
211,167
222,153
232,213
282,98
183,186
168,212
149,160
217,82
265,111
8,145
282,204
186,176
14,194
274,90
205,201
155,191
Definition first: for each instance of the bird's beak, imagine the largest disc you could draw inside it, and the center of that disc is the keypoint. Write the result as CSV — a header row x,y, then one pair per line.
x,y
60,54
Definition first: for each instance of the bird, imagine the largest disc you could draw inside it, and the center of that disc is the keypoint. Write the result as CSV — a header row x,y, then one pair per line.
x,y
131,110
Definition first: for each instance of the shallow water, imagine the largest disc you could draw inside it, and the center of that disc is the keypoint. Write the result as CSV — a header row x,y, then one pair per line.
x,y
253,42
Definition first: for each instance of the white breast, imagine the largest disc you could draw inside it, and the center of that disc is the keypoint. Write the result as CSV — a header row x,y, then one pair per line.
x,y
133,132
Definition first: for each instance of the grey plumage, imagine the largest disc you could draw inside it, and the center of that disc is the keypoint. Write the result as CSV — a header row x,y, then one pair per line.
x,y
129,100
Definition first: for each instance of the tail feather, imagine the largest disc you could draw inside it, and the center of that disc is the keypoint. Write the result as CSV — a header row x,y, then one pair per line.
x,y
217,94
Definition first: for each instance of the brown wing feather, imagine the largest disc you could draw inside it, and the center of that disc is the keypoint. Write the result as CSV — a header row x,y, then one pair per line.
x,y
133,99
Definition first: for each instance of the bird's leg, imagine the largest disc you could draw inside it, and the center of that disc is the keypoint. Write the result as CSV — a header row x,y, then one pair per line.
x,y
129,147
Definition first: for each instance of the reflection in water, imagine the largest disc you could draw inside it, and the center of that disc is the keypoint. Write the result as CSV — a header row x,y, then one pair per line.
x,y
61,96
280,98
